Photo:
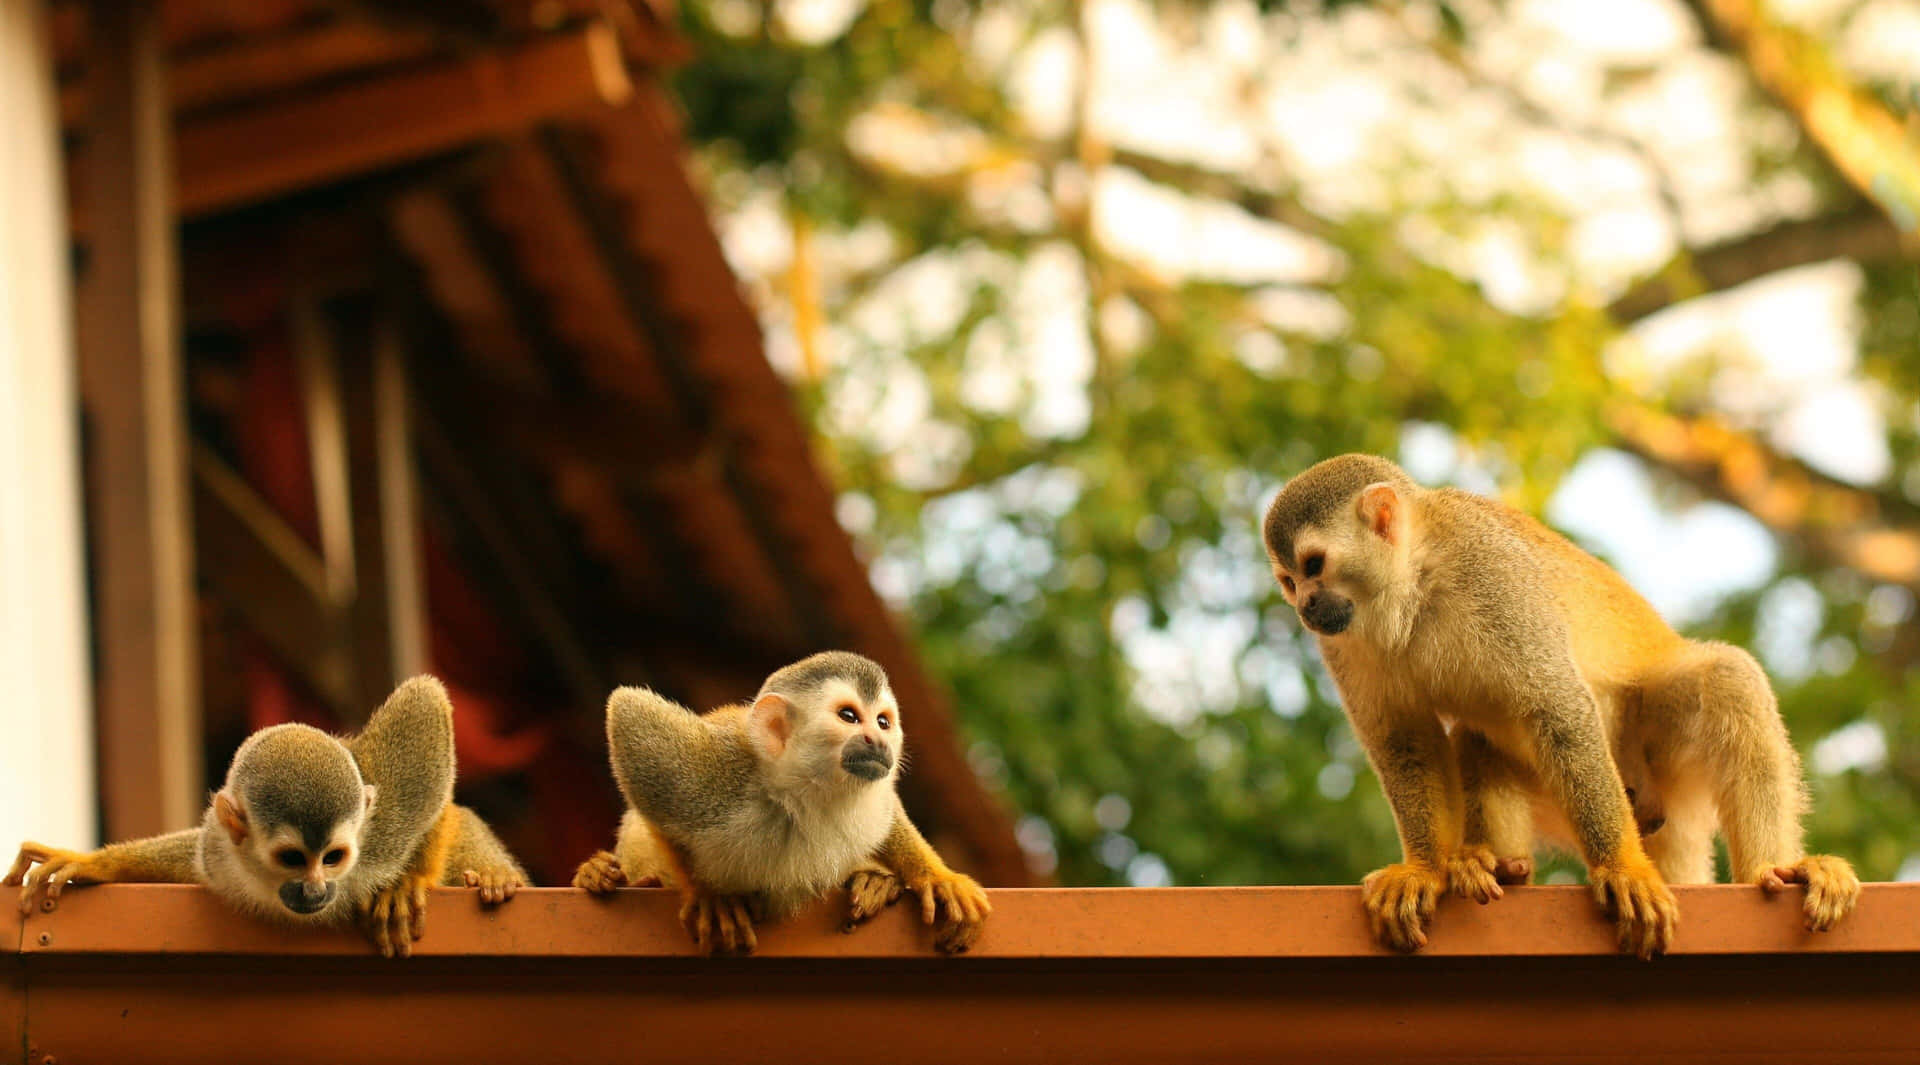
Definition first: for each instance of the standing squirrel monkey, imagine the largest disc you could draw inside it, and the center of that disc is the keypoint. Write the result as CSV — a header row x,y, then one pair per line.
x,y
1438,609
313,830
751,811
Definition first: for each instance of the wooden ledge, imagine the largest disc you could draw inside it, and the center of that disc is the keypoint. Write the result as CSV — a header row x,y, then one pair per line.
x,y
1033,923
165,974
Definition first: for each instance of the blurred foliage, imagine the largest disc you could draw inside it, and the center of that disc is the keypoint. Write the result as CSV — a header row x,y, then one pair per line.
x,y
1044,560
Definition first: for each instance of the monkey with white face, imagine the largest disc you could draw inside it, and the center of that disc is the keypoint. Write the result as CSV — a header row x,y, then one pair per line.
x,y
1501,679
312,829
751,811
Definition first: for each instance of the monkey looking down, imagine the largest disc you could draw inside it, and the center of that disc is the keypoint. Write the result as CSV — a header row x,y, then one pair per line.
x,y
309,829
751,811
1495,674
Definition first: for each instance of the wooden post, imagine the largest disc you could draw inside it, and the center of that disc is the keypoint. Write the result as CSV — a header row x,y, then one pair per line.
x,y
389,610
151,775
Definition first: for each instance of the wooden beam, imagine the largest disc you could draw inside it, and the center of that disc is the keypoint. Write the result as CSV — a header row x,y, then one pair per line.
x,y
246,71
1108,976
233,158
151,776
260,567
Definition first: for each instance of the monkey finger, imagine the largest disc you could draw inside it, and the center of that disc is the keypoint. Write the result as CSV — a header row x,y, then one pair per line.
x,y
376,922
744,939
419,908
29,854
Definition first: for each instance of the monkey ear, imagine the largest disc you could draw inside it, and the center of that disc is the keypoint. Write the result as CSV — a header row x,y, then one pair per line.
x,y
232,815
1380,511
772,719
369,791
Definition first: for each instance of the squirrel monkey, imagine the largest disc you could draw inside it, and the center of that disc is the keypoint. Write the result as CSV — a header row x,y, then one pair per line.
x,y
751,811
1440,610
314,830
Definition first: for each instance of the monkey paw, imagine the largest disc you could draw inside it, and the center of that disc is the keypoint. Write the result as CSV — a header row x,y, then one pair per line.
x,y
956,905
1832,887
719,924
599,874
1473,874
39,864
397,915
1513,872
497,884
1400,899
868,892
1641,905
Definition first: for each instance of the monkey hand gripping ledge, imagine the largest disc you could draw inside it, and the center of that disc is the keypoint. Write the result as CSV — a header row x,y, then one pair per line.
x,y
139,973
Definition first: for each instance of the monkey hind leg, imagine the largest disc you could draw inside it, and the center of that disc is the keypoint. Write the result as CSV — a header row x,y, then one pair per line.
x,y
1725,718
1721,716
1682,849
479,860
1497,838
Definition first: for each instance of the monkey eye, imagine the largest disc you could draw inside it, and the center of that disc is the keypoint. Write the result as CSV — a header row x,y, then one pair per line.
x,y
885,721
850,715
335,856
1312,566
1287,583
291,859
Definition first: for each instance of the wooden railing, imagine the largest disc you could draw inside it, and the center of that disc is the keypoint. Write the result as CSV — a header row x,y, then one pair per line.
x,y
165,974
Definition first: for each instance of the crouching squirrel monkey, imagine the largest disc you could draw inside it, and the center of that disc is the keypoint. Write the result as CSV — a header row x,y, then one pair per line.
x,y
313,830
751,811
1438,609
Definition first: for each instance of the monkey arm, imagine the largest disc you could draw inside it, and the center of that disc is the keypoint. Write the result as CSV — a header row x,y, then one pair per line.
x,y
1410,754
170,859
1576,769
406,752
1497,832
953,902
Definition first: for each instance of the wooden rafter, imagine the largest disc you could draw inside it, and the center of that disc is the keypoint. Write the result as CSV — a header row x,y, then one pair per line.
x,y
234,157
242,73
271,578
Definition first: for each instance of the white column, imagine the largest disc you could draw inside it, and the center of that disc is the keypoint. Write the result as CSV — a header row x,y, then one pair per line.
x,y
46,702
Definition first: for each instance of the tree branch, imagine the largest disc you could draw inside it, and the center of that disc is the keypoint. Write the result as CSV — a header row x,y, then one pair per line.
x,y
1865,142
1831,521
1861,233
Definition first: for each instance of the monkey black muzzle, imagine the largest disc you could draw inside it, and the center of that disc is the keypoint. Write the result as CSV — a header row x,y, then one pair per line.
x,y
303,897
867,763
1327,613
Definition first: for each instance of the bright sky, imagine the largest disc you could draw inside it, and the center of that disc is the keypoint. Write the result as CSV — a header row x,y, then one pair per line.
x,y
1340,105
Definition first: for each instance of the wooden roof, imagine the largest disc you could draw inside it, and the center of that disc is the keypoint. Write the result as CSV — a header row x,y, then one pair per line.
x,y
586,368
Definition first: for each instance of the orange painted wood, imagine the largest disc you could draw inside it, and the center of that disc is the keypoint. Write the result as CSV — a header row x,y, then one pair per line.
x,y
1027,923
163,974
13,985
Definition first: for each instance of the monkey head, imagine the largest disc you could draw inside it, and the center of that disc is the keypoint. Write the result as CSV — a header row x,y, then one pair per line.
x,y
1337,537
831,718
293,809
